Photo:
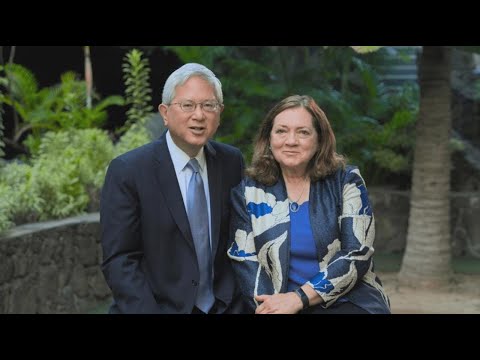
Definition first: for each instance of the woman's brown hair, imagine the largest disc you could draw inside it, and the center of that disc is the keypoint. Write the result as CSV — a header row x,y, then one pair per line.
x,y
325,161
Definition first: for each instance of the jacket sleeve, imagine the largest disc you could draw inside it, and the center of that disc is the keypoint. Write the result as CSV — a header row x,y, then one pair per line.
x,y
121,242
349,257
242,250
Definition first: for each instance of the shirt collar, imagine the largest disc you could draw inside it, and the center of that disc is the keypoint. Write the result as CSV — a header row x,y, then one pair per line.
x,y
180,158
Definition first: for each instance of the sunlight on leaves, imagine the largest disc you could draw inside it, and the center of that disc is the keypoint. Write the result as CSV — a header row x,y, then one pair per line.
x,y
365,49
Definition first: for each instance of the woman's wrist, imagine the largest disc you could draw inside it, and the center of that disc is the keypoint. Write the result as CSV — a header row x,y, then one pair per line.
x,y
303,297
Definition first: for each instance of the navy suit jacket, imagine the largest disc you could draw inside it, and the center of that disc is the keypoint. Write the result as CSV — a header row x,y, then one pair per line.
x,y
149,259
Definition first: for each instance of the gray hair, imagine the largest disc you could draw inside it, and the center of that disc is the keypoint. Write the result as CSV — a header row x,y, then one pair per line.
x,y
182,74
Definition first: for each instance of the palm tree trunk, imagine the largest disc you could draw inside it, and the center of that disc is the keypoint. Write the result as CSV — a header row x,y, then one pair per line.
x,y
88,76
427,259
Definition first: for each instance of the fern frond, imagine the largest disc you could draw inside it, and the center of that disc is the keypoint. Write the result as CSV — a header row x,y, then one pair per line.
x,y
23,83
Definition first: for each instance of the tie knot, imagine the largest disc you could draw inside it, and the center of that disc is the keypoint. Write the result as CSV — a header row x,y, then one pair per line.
x,y
194,165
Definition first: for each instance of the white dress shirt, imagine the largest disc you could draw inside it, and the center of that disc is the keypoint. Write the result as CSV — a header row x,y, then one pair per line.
x,y
180,160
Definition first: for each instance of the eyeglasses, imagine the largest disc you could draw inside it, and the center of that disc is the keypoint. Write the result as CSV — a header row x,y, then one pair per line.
x,y
190,106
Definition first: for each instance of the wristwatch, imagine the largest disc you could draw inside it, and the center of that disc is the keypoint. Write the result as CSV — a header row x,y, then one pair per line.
x,y
303,296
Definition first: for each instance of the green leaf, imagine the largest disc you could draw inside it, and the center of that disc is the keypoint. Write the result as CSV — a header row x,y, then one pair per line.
x,y
365,49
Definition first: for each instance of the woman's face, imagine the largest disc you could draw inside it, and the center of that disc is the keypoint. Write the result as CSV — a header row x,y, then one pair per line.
x,y
293,140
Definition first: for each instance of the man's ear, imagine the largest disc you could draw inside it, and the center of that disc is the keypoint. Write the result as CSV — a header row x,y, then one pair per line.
x,y
162,109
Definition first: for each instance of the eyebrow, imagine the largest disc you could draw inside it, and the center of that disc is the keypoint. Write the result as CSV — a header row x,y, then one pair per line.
x,y
297,128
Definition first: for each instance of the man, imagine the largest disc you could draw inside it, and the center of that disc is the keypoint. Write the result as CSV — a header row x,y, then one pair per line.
x,y
165,207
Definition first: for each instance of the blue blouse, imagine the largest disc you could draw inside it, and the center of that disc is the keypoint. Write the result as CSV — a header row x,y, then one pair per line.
x,y
303,251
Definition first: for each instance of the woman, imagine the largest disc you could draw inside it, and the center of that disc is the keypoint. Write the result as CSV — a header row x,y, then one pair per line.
x,y
302,225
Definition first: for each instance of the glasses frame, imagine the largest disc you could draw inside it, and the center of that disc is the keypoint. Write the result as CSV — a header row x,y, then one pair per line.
x,y
218,106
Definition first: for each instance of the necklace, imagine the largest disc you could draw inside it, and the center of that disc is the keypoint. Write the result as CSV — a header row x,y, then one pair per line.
x,y
294,204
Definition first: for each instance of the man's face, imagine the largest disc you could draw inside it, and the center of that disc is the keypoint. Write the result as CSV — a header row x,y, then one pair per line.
x,y
191,130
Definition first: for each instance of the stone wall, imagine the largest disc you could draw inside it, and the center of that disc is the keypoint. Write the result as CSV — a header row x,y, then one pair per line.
x,y
52,267
391,209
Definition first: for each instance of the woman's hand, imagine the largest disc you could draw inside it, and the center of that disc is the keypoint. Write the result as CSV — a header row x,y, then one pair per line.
x,y
286,303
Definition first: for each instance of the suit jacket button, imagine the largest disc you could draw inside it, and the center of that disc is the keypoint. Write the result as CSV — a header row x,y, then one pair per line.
x,y
194,283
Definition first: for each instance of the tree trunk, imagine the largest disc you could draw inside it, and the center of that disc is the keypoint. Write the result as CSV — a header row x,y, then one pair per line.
x,y
427,259
88,76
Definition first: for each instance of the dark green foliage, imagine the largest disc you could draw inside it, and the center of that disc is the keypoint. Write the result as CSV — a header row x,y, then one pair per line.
x,y
136,74
2,144
50,186
137,135
47,185
2,128
373,124
52,108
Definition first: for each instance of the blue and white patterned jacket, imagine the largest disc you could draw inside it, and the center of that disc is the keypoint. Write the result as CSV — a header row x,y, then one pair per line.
x,y
343,228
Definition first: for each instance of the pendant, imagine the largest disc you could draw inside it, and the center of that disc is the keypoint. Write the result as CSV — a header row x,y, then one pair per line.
x,y
294,206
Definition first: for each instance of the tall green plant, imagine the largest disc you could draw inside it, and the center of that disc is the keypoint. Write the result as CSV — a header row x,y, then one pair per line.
x,y
52,108
136,76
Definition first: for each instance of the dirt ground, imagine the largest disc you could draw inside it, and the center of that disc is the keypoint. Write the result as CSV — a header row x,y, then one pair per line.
x,y
463,297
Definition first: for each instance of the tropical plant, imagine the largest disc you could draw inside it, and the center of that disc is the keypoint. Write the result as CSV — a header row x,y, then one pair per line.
x,y
6,84
2,144
365,49
52,108
5,207
48,186
136,70
21,203
137,135
51,186
347,86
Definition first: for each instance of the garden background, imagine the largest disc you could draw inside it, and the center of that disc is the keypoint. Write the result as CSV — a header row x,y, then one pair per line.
x,y
407,116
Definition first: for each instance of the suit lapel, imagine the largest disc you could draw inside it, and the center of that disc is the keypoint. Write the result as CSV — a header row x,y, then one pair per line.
x,y
215,189
168,186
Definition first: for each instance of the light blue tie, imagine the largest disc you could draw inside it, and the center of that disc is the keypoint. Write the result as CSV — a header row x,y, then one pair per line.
x,y
198,217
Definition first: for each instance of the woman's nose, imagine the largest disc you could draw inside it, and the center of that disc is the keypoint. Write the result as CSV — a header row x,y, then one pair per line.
x,y
291,138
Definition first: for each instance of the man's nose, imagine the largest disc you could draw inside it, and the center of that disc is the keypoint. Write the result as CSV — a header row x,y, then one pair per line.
x,y
199,112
